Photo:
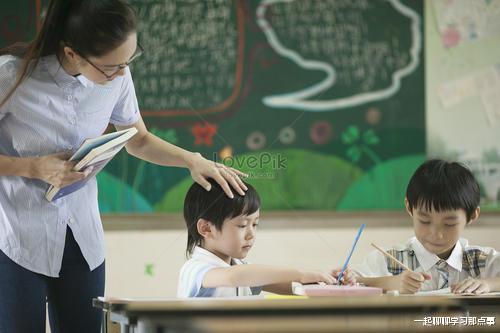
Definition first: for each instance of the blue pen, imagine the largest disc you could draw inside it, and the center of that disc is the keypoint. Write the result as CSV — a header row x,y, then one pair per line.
x,y
339,278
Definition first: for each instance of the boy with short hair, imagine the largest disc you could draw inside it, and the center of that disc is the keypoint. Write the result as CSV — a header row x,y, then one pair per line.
x,y
221,232
441,198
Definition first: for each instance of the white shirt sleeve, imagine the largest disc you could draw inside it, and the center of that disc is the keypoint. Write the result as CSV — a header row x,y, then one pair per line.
x,y
374,265
191,279
126,110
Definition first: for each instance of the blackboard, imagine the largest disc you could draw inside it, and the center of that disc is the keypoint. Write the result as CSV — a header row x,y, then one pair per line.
x,y
19,20
321,102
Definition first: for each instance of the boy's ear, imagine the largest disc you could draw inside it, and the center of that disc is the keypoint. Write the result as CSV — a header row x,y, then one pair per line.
x,y
204,228
408,209
475,215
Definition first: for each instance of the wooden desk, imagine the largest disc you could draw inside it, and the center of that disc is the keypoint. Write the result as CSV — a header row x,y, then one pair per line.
x,y
481,305
323,314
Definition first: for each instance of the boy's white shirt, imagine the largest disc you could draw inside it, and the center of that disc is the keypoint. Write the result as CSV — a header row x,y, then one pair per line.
x,y
193,271
375,264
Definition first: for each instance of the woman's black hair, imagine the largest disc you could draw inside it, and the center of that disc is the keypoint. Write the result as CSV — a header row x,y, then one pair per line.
x,y
92,28
441,186
215,206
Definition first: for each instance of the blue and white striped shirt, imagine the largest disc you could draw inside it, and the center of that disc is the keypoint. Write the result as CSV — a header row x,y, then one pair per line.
x,y
51,112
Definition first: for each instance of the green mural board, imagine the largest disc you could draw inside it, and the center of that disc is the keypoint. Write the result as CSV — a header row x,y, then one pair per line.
x,y
321,102
18,20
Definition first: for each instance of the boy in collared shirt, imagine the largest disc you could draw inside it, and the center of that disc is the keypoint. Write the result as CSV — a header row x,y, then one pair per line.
x,y
221,232
441,198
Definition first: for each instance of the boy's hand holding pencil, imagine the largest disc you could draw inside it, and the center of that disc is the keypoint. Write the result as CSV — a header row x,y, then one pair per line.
x,y
316,277
409,282
348,278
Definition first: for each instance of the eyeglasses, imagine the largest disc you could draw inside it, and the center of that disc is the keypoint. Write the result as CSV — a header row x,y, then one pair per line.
x,y
116,69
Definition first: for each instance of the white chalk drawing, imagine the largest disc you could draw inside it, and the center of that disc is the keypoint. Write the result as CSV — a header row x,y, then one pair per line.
x,y
299,99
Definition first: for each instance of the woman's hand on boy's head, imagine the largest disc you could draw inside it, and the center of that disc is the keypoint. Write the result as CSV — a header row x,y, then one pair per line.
x,y
471,286
316,276
411,282
227,177
348,278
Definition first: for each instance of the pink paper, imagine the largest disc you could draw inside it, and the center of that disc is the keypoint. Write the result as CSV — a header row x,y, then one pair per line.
x,y
334,290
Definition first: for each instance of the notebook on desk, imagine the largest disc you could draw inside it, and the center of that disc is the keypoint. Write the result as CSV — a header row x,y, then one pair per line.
x,y
334,290
447,292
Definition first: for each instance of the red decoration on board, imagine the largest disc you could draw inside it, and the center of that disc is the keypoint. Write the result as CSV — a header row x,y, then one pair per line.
x,y
321,132
203,133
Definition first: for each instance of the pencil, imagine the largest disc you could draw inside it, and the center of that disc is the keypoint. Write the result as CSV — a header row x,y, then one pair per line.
x,y
341,275
391,257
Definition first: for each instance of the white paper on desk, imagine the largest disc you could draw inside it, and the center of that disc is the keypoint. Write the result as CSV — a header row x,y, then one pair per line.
x,y
447,292
174,299
444,291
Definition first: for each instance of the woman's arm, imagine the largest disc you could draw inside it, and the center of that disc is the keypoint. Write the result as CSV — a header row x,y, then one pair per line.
x,y
53,169
148,147
16,166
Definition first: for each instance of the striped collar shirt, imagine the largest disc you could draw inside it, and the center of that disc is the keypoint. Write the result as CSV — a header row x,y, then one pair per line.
x,y
465,261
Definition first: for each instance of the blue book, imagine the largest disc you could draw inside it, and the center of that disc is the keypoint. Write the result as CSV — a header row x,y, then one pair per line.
x,y
93,153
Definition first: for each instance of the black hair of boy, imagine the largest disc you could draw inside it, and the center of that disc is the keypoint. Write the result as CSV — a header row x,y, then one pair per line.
x,y
215,206
442,186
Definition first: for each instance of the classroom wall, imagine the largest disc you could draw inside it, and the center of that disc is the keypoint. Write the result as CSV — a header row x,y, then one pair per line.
x,y
130,252
462,85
